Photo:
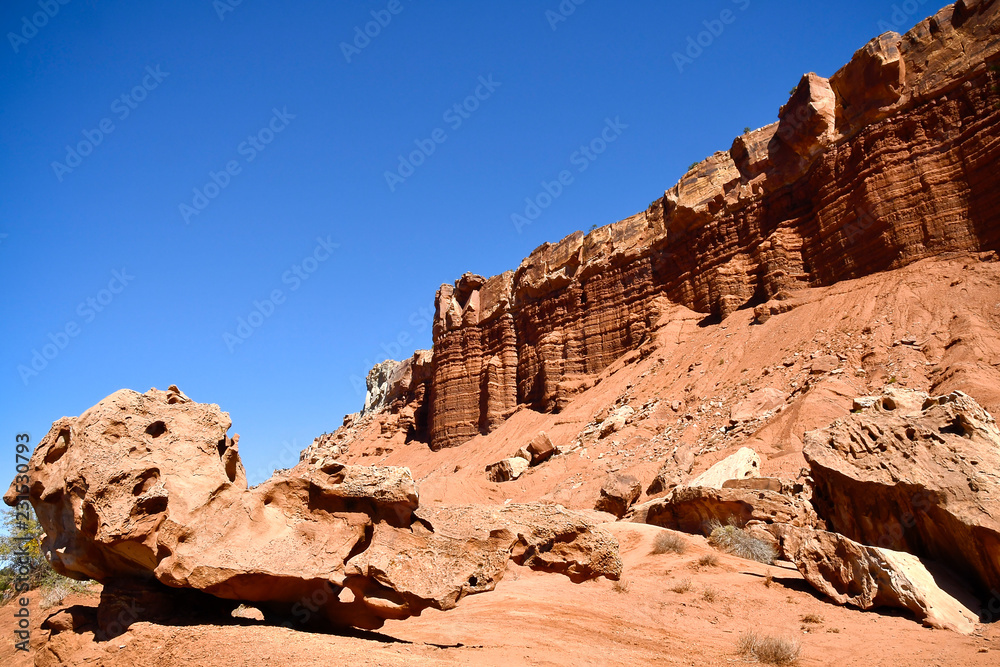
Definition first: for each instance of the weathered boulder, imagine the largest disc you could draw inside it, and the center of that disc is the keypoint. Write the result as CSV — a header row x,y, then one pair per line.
x,y
743,464
618,493
549,538
616,420
691,509
540,448
924,482
507,470
868,577
143,490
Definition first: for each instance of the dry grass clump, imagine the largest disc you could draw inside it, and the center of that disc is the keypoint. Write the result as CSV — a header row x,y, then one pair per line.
x,y
812,618
621,586
59,589
667,542
734,540
771,650
709,595
708,560
682,586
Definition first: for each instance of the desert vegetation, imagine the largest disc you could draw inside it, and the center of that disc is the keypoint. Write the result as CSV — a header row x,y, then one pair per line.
x,y
667,542
767,649
733,539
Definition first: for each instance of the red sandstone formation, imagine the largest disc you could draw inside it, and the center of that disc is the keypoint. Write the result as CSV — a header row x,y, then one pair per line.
x,y
889,161
148,489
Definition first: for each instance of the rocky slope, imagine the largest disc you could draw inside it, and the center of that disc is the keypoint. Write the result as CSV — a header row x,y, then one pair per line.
x,y
799,339
887,162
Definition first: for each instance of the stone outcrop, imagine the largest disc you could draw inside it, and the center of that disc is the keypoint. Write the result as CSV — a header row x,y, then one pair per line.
x,y
868,577
378,386
147,489
921,480
887,162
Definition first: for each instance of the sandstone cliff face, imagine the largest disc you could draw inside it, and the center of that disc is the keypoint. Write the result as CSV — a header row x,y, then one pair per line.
x,y
887,162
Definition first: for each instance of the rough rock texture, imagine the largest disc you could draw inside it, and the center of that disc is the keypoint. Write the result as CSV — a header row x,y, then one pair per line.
x,y
540,449
742,465
762,484
618,494
868,577
145,487
889,161
507,470
616,421
923,481
692,509
757,405
378,386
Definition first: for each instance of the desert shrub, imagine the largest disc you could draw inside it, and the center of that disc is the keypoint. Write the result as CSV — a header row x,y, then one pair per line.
x,y
812,618
734,540
682,586
709,595
708,560
54,592
621,586
771,650
667,542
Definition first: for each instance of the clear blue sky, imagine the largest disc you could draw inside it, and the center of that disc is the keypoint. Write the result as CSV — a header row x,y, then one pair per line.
x,y
184,85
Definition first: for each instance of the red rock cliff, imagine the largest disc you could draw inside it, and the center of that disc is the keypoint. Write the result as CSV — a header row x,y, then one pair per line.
x,y
891,160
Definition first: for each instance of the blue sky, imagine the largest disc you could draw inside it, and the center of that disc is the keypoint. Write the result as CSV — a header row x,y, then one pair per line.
x,y
172,169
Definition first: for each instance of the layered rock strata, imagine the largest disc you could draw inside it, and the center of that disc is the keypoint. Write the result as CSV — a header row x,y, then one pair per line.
x,y
888,161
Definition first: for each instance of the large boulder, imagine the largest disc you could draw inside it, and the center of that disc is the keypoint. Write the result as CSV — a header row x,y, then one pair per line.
x,y
867,577
742,465
540,449
921,480
618,493
149,489
693,509
507,470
